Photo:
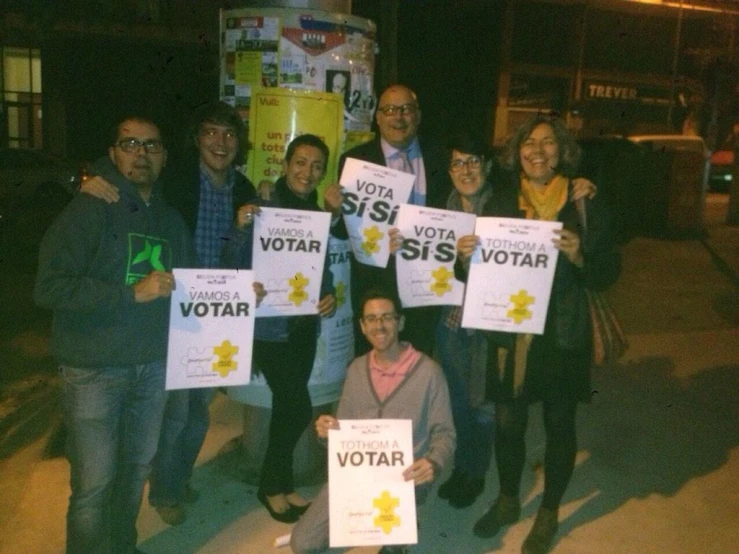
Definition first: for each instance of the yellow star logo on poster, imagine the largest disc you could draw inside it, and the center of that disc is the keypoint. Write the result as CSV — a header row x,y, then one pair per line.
x,y
387,519
340,294
521,302
225,363
372,236
298,284
441,285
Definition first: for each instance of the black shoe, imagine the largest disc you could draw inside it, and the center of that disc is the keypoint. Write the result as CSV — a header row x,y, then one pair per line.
x,y
300,510
542,533
505,511
450,487
288,516
467,494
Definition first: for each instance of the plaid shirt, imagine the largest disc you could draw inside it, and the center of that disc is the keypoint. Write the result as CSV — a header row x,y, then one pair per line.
x,y
215,217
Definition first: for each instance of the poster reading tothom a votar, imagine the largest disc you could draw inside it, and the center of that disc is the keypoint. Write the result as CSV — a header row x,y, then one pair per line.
x,y
370,504
510,275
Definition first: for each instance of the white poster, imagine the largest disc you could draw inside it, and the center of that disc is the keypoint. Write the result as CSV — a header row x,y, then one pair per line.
x,y
425,265
335,347
211,328
289,252
370,503
372,197
511,274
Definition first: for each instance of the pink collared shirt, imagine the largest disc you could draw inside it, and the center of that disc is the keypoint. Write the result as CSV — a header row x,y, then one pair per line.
x,y
386,380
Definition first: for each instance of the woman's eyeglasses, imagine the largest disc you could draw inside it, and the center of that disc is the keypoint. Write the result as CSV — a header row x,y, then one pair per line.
x,y
473,162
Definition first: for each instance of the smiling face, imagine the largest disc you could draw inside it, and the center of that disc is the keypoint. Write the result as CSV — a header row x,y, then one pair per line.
x,y
539,154
139,166
398,129
304,170
468,173
217,145
381,334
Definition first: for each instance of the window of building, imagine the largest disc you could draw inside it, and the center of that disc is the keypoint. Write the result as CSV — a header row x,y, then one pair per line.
x,y
20,76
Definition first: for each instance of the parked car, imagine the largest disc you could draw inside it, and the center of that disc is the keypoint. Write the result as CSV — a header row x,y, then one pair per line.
x,y
25,173
34,187
722,168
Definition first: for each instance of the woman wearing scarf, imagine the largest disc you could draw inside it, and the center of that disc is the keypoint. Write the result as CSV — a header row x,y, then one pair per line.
x,y
284,348
462,351
553,368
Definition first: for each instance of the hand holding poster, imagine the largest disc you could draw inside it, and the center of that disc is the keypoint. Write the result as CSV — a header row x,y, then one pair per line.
x,y
425,265
372,196
370,503
511,274
289,251
211,328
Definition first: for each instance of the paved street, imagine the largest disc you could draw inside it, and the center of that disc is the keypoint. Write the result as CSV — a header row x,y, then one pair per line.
x,y
658,461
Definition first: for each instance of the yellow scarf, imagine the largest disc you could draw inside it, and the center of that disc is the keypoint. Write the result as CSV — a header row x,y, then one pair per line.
x,y
542,204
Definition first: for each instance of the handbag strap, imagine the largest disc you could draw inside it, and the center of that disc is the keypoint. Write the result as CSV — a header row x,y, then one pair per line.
x,y
581,212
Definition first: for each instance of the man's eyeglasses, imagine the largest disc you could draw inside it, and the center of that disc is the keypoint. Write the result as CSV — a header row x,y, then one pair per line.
x,y
473,162
385,318
131,145
405,109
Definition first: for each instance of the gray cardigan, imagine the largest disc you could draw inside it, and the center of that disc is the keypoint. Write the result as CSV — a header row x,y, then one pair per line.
x,y
422,397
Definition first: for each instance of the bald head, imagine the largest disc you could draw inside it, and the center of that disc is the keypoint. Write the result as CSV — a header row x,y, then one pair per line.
x,y
398,116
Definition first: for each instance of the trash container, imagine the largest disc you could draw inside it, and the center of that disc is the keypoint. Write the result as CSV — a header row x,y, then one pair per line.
x,y
614,163
673,195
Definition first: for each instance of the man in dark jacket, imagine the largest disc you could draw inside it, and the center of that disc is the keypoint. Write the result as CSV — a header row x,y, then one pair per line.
x,y
207,190
399,146
105,271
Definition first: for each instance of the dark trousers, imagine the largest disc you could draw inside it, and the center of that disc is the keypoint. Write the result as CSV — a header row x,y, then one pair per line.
x,y
287,368
510,447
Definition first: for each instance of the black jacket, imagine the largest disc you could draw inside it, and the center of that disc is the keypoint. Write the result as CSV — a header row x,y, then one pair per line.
x,y
568,303
182,191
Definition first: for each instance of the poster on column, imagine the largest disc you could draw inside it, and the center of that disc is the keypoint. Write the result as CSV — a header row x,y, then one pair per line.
x,y
372,196
335,348
277,116
211,328
511,274
323,51
370,503
425,265
289,250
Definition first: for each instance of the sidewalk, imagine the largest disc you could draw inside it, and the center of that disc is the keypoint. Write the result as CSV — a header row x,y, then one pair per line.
x,y
658,459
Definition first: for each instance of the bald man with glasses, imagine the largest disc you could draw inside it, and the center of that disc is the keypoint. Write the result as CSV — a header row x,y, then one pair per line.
x,y
398,145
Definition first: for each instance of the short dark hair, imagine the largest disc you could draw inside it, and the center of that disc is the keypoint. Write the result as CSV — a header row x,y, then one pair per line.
x,y
306,140
569,151
467,142
379,294
115,131
220,113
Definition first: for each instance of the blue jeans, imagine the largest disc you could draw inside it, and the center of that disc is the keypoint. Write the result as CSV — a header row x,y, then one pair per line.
x,y
113,416
185,425
459,352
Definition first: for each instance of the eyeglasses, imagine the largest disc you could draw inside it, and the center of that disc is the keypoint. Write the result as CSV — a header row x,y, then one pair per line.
x,y
385,318
405,109
473,162
131,145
